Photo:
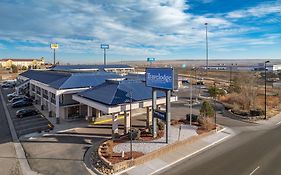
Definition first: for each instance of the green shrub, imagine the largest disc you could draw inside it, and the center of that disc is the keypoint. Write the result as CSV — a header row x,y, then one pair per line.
x,y
207,110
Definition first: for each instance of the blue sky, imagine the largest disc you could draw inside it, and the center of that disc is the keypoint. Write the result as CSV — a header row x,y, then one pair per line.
x,y
135,30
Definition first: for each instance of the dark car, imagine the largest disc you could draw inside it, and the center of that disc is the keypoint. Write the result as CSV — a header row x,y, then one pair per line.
x,y
21,103
15,99
7,85
26,112
12,95
200,83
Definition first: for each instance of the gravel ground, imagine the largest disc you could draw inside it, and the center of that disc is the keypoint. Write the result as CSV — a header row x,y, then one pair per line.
x,y
146,147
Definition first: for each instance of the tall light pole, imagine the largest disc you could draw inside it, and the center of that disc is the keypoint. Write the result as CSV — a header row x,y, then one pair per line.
x,y
190,116
104,47
131,140
207,49
54,46
265,117
230,74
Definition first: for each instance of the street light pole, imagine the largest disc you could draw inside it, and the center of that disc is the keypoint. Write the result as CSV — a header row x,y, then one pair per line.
x,y
215,106
190,116
265,117
207,49
131,140
230,74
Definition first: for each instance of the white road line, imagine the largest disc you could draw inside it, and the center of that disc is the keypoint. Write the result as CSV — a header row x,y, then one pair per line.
x,y
254,170
278,123
198,151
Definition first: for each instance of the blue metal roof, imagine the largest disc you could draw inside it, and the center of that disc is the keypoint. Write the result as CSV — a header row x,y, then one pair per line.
x,y
62,80
79,80
114,93
44,76
87,67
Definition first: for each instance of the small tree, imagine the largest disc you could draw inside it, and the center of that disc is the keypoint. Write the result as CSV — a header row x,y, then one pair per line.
x,y
234,86
207,110
23,68
216,92
207,114
14,68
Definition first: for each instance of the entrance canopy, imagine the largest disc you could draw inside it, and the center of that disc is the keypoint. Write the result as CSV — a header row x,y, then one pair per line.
x,y
114,96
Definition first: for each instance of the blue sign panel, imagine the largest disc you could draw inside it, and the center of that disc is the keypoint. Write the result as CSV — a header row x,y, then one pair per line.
x,y
104,46
162,78
159,114
150,59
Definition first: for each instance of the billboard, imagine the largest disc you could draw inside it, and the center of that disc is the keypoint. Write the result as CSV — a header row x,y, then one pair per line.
x,y
104,46
54,46
161,78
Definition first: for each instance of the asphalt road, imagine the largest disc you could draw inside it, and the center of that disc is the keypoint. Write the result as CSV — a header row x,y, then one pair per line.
x,y
256,152
8,162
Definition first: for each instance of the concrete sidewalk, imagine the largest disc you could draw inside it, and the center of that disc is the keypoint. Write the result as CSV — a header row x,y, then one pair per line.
x,y
166,160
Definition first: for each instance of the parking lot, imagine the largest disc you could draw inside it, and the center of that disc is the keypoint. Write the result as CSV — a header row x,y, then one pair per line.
x,y
26,125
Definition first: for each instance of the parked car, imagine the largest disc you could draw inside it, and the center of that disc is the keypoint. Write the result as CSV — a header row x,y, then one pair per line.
x,y
12,95
21,103
200,83
15,99
7,85
26,113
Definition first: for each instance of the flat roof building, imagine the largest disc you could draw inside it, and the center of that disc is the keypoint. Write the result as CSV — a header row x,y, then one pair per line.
x,y
21,62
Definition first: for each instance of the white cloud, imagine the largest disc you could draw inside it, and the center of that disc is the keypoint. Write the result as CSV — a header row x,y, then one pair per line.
x,y
155,27
257,11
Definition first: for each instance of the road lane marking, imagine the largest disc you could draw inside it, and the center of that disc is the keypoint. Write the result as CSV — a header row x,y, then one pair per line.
x,y
189,155
278,123
254,170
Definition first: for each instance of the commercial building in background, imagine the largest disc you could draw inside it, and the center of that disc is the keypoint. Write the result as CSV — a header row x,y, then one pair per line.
x,y
258,67
8,62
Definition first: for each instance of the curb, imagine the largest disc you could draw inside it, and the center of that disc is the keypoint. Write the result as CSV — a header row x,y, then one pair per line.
x,y
20,153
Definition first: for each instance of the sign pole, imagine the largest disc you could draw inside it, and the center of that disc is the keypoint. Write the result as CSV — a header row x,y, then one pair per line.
x,y
168,114
54,46
154,98
54,56
104,56
104,47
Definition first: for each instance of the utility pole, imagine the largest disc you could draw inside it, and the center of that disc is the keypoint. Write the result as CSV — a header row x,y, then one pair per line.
x,y
265,117
207,49
190,116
